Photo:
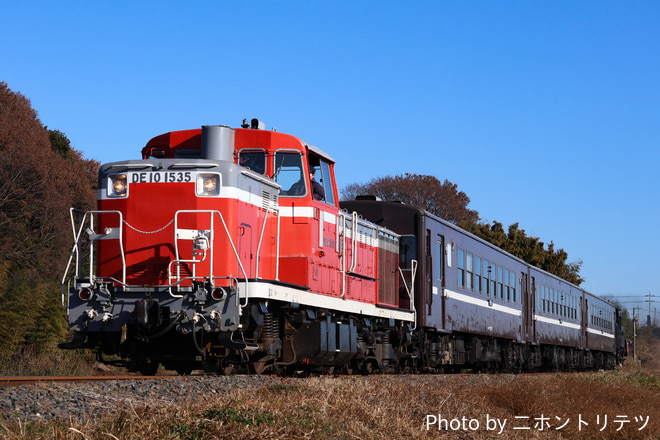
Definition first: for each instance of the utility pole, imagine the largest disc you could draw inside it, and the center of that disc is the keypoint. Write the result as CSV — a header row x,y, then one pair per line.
x,y
648,319
635,319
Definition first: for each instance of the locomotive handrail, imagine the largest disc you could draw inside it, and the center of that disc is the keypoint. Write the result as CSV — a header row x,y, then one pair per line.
x,y
354,233
211,258
355,223
75,250
261,237
411,291
277,250
178,277
342,254
109,231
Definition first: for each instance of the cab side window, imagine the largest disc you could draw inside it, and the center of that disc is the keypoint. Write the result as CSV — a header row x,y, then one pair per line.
x,y
326,181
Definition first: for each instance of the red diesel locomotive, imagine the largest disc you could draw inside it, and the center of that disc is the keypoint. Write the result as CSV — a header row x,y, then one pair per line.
x,y
213,251
226,249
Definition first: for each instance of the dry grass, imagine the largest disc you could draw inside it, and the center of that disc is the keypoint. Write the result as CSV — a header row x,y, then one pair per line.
x,y
392,407
648,348
49,362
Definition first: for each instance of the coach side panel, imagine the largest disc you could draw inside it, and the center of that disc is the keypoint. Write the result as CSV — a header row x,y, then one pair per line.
x,y
600,324
479,289
557,311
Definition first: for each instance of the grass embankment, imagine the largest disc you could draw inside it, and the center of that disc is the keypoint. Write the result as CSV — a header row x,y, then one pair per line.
x,y
587,405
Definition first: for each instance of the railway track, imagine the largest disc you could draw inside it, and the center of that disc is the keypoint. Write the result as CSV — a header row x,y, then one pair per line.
x,y
11,381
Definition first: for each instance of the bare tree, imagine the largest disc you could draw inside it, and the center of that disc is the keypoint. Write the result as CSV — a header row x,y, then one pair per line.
x,y
439,198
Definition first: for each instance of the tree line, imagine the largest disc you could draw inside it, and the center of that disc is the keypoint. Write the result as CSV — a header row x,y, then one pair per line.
x,y
41,177
444,200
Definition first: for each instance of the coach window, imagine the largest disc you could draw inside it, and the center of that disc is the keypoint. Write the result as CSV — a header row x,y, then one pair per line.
x,y
558,300
477,275
461,268
507,288
469,272
512,283
289,173
407,251
574,307
542,298
439,266
486,274
500,290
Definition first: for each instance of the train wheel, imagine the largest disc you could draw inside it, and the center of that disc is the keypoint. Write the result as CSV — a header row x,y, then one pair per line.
x,y
148,368
227,370
258,367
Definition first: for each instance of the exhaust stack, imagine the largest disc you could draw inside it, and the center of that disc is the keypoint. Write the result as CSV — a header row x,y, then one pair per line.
x,y
218,142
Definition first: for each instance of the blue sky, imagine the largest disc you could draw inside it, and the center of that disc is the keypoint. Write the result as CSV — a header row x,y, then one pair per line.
x,y
545,113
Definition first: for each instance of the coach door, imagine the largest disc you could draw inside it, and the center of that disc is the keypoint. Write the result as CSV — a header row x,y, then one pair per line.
x,y
528,302
585,321
436,281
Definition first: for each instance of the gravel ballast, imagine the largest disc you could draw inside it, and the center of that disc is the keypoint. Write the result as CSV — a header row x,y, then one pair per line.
x,y
80,401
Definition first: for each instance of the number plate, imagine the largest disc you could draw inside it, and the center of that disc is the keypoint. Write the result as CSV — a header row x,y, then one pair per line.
x,y
161,177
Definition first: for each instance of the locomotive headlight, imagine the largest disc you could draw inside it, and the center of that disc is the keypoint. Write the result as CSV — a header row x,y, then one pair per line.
x,y
118,186
208,185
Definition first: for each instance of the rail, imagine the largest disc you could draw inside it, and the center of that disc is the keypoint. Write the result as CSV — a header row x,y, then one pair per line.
x,y
13,381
